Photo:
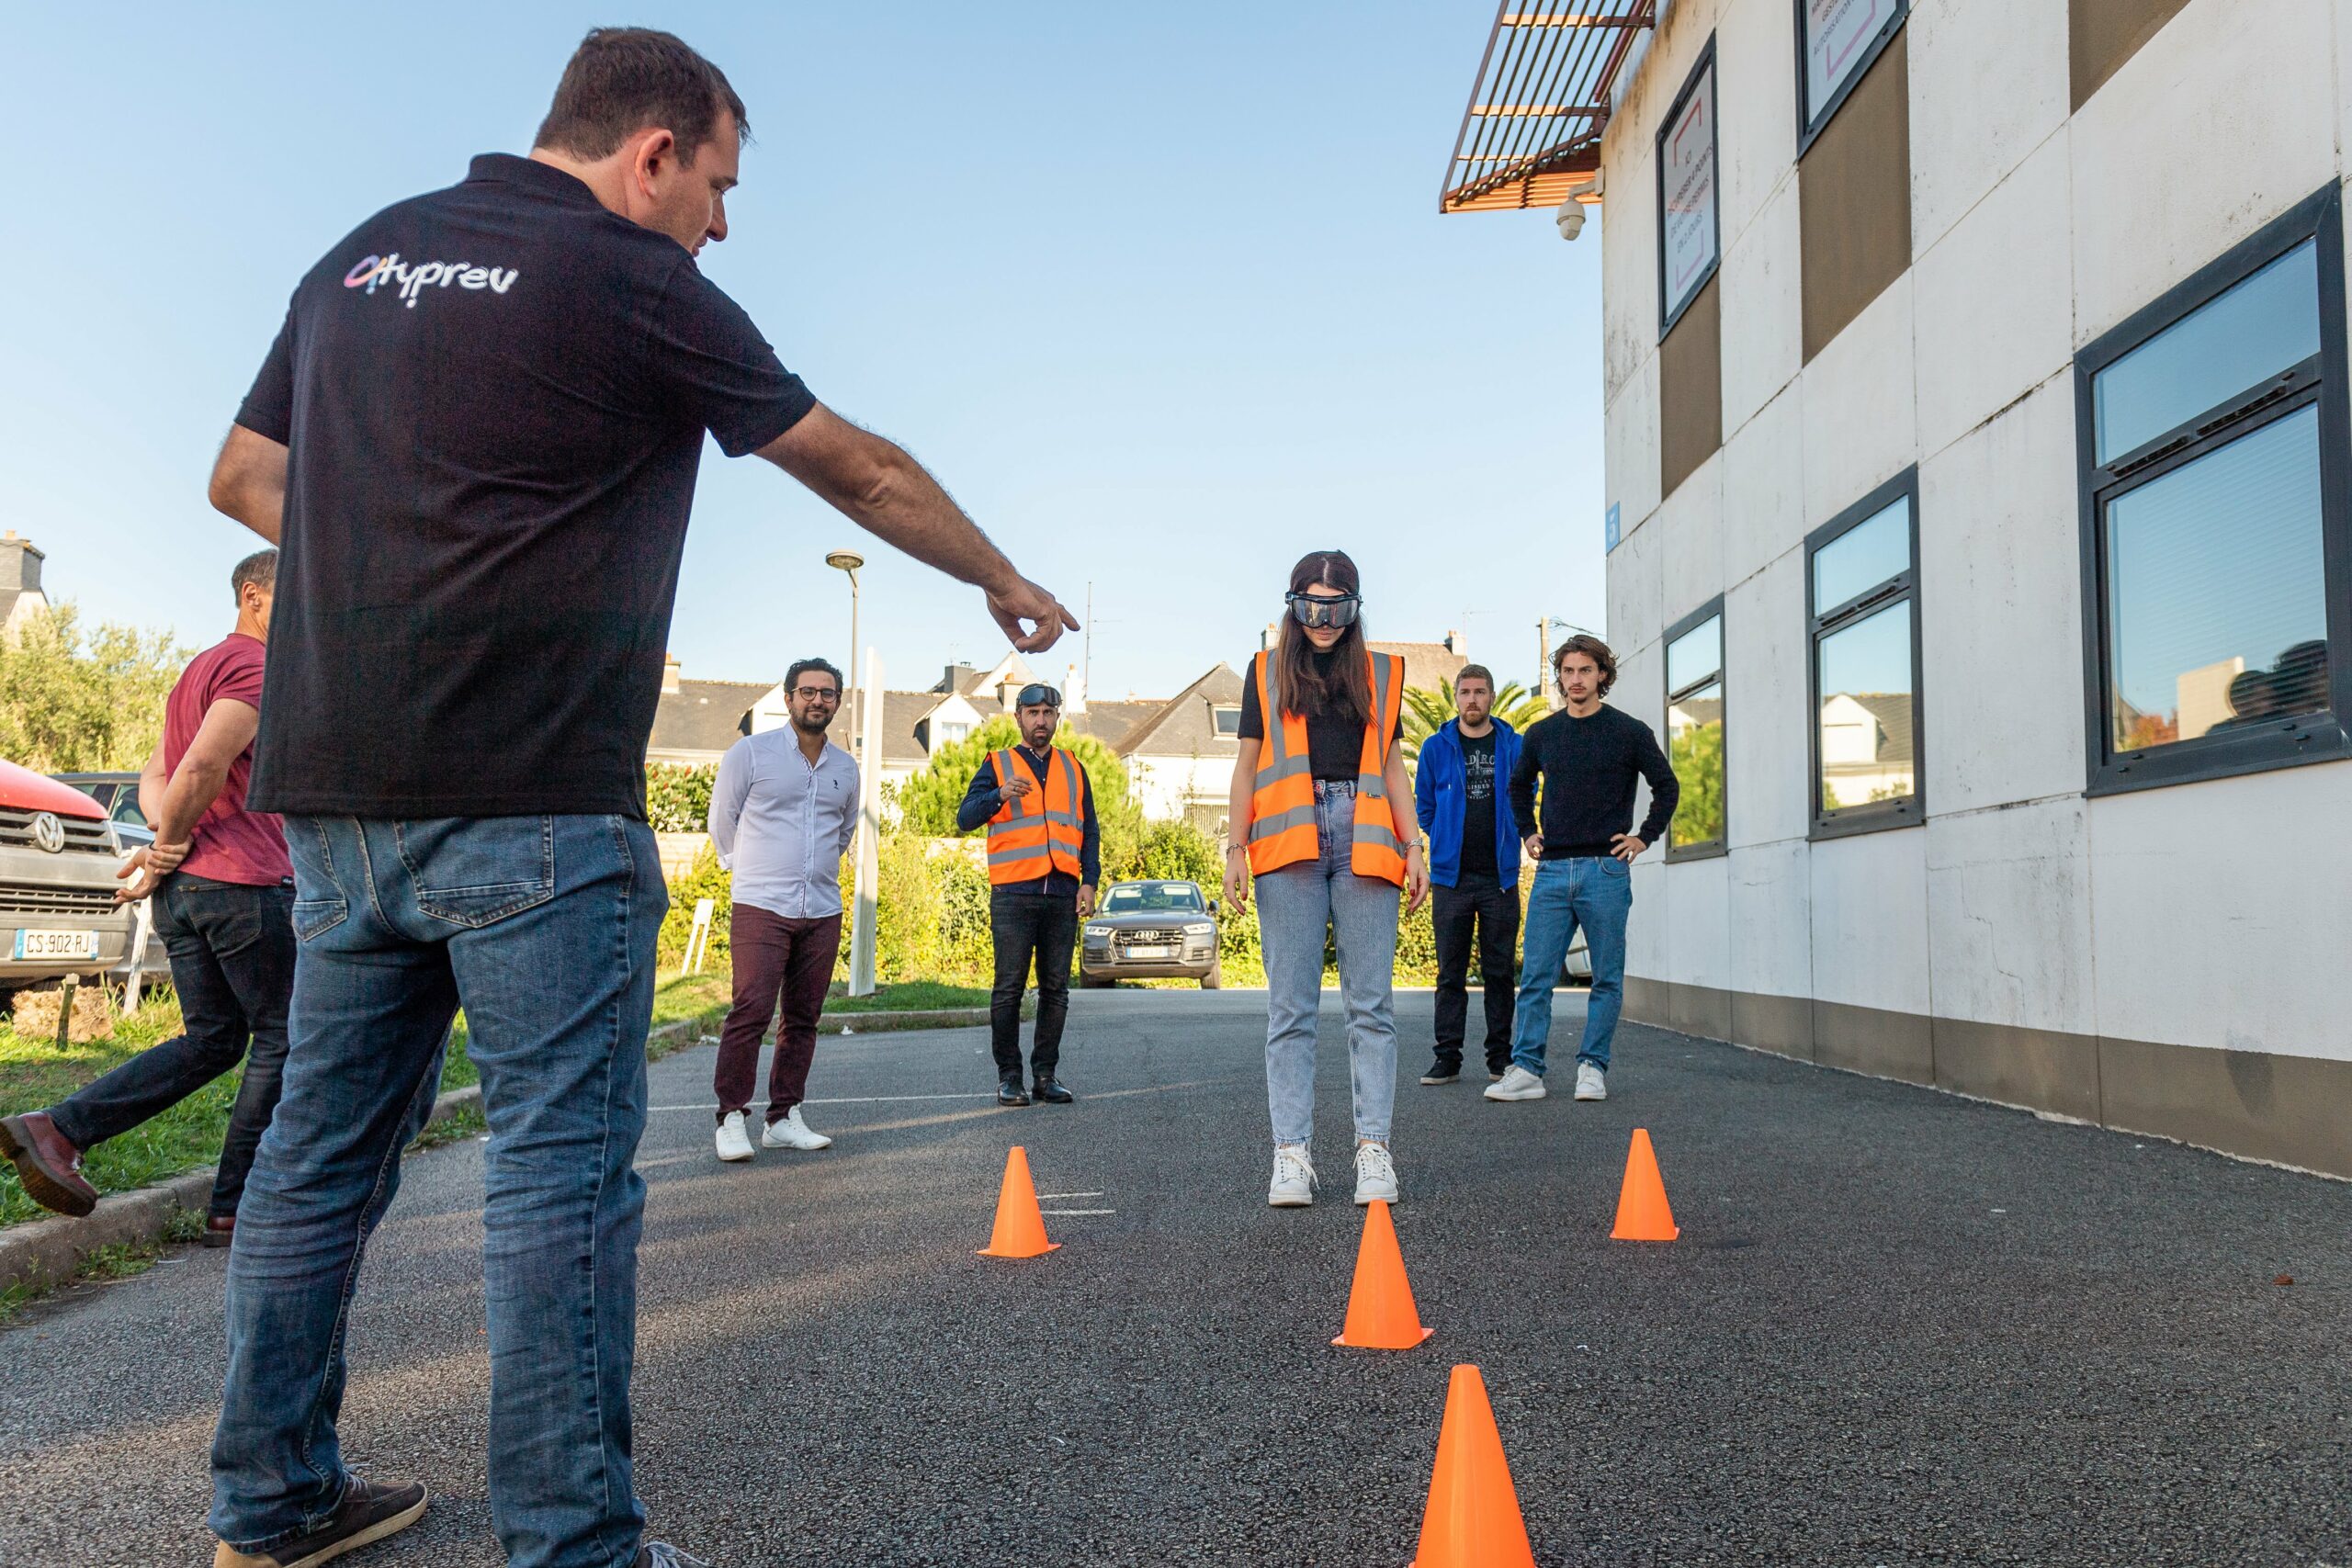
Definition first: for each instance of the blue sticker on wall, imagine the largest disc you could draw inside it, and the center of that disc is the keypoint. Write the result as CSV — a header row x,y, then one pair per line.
x,y
1609,528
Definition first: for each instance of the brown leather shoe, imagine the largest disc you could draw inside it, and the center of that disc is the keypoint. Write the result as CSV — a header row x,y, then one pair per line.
x,y
367,1513
50,1168
220,1229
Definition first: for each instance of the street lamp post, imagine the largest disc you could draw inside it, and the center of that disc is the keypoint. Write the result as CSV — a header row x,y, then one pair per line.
x,y
849,562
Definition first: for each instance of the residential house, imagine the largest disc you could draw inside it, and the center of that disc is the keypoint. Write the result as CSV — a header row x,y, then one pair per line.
x,y
20,590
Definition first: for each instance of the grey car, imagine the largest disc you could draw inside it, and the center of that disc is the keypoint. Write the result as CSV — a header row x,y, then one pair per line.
x,y
1151,931
118,796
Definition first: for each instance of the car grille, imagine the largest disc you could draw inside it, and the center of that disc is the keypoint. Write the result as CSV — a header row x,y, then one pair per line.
x,y
1149,938
32,898
81,835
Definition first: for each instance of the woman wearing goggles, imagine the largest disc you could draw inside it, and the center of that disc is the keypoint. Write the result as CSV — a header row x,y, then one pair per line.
x,y
1313,829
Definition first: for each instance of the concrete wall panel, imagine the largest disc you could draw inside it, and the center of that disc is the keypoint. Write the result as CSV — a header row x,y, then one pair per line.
x,y
2218,912
1771,927
1756,108
1993,298
2203,137
1690,542
1629,449
1988,85
1764,488
1628,256
1698,940
1870,922
1762,314
1765,793
1860,407
2000,589
1652,922
1635,569
2009,916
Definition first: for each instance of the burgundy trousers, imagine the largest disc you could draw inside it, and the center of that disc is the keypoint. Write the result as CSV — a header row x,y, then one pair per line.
x,y
776,959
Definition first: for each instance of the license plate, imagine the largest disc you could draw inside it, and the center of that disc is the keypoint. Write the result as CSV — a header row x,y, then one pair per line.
x,y
56,944
1151,952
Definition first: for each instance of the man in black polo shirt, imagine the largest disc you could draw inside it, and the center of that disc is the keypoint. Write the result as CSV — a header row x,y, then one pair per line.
x,y
475,440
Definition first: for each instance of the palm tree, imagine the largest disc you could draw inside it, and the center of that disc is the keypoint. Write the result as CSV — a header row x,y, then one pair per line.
x,y
1427,711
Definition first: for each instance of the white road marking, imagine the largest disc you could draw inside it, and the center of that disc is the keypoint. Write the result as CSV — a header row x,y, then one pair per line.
x,y
1050,1196
1077,1210
851,1100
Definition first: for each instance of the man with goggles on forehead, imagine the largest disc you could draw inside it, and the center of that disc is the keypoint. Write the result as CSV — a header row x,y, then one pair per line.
x,y
1045,862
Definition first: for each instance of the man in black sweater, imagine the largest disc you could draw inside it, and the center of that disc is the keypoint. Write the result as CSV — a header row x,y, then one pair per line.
x,y
1589,757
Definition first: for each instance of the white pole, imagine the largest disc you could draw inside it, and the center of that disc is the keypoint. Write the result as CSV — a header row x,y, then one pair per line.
x,y
869,832
144,928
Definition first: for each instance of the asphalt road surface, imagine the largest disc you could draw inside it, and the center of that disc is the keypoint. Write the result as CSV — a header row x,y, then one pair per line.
x,y
1899,1328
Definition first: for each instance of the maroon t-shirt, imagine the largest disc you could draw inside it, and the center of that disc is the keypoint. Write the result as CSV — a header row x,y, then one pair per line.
x,y
230,843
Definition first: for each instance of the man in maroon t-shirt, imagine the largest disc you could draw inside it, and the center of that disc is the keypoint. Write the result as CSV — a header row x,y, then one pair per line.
x,y
223,894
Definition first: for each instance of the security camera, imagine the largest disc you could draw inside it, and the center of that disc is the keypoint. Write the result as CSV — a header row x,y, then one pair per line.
x,y
1571,218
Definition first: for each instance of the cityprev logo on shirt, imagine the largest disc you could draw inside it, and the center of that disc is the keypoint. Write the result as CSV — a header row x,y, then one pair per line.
x,y
414,280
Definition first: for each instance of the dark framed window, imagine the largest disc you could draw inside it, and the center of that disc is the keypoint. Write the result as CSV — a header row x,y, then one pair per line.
x,y
1694,731
1862,609
2217,570
1837,40
1689,230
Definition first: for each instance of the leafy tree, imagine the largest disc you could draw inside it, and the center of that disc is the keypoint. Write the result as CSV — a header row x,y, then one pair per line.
x,y
927,802
72,702
1696,755
1427,711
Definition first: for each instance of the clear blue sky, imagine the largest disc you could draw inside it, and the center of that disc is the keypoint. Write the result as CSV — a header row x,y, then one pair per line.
x,y
1161,294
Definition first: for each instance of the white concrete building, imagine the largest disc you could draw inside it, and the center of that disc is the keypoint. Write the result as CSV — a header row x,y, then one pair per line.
x,y
1978,480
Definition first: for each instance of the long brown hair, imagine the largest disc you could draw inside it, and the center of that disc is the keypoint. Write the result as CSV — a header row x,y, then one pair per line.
x,y
1346,692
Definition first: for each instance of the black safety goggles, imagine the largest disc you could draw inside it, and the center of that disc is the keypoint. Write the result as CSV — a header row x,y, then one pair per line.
x,y
1312,610
1037,695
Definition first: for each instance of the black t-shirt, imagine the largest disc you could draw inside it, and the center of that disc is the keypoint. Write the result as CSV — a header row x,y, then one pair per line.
x,y
1478,808
1334,742
495,398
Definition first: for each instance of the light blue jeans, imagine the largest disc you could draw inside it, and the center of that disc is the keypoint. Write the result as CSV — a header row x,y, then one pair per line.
x,y
543,928
1296,906
1594,892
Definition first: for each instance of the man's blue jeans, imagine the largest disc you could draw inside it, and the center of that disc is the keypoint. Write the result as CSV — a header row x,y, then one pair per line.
x,y
543,929
1596,893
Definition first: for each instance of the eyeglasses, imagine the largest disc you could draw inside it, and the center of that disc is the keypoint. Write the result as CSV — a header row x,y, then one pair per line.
x,y
813,693
1038,695
1312,610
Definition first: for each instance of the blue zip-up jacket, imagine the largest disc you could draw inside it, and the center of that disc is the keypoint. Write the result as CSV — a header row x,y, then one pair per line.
x,y
1438,801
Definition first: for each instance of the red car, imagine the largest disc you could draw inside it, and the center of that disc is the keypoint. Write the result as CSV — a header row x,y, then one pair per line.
x,y
58,858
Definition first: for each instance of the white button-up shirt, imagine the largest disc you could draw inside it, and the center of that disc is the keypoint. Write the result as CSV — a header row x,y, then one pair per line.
x,y
782,823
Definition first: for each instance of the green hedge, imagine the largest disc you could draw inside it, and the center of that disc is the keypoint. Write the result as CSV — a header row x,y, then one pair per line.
x,y
677,798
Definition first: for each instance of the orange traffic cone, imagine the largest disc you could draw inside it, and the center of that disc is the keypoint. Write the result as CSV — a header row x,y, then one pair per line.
x,y
1381,1316
1642,1211
1472,1517
1020,1228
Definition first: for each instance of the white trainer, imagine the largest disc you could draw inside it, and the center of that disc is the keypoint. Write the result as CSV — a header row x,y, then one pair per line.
x,y
734,1142
1294,1185
1591,1082
1376,1174
1516,1084
789,1132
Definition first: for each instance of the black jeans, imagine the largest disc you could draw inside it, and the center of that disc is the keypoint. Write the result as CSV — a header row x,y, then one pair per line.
x,y
232,964
1043,927
1493,907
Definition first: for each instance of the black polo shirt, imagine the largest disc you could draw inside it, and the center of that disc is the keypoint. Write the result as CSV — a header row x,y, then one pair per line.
x,y
495,398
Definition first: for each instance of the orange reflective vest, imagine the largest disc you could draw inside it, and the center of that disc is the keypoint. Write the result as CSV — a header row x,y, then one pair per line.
x,y
1040,832
1282,809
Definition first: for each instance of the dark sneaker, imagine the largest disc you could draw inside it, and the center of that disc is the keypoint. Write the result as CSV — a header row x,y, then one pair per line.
x,y
219,1229
1009,1093
367,1512
1442,1071
661,1554
50,1168
1049,1091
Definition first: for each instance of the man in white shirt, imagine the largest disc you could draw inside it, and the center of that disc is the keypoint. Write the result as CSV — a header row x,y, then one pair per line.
x,y
782,814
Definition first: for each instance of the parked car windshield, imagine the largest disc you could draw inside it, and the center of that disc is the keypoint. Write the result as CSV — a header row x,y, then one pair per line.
x,y
1130,896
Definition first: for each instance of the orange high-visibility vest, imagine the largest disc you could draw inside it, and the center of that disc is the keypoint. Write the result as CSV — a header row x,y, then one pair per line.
x,y
1282,809
1042,830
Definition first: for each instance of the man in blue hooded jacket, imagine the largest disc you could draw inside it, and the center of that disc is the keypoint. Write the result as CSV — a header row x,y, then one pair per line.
x,y
1474,868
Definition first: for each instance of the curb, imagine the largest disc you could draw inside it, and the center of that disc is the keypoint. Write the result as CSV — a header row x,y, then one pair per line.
x,y
883,1022
44,1254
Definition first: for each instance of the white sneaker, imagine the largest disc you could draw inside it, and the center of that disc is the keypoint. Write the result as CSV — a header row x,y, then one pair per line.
x,y
734,1143
1376,1174
1591,1082
1516,1084
789,1132
1293,1185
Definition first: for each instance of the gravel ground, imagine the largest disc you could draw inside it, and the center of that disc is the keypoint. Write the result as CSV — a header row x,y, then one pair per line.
x,y
1899,1328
